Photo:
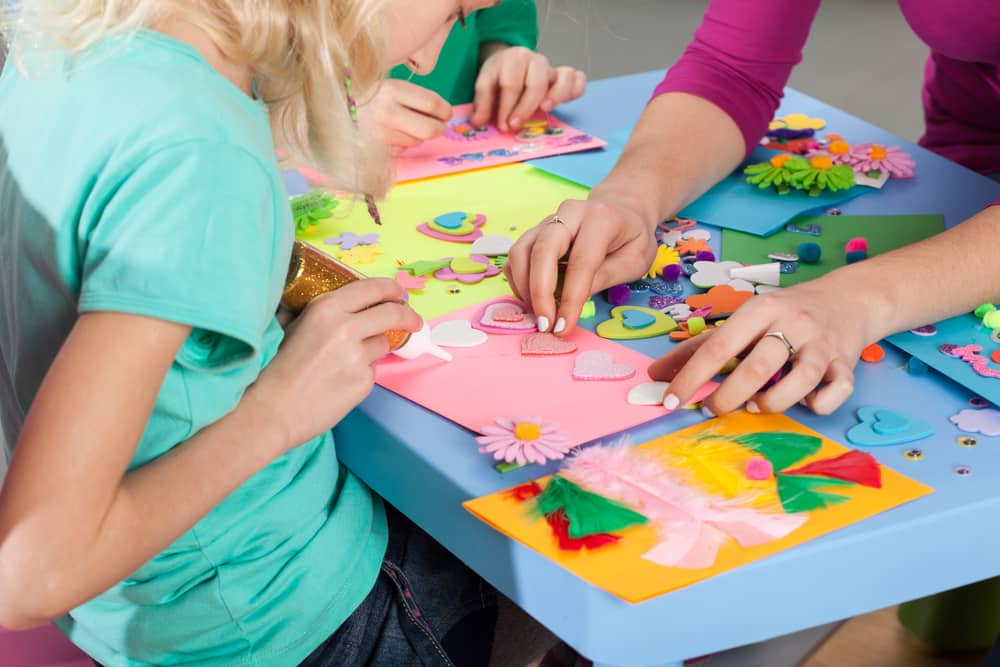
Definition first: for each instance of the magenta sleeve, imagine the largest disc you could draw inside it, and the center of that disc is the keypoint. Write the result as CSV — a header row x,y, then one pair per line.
x,y
741,57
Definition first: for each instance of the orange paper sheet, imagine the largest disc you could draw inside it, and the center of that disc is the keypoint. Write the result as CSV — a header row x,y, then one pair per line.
x,y
620,569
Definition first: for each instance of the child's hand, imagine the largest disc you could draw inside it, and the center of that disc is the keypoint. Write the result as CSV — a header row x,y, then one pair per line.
x,y
826,331
403,115
515,82
608,242
325,365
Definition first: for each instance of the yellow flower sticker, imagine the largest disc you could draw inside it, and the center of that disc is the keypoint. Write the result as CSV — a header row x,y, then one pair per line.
x,y
797,121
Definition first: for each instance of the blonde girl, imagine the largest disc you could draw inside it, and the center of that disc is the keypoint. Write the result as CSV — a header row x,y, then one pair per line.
x,y
174,496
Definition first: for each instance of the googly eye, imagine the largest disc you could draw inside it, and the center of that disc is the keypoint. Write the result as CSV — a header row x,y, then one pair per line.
x,y
967,441
963,471
913,455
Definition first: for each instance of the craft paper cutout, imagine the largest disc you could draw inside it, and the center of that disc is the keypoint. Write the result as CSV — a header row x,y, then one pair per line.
x,y
467,230
665,256
545,344
721,298
463,147
348,240
959,332
457,333
409,282
495,379
617,329
488,192
493,245
523,440
595,365
985,421
360,254
505,316
698,539
879,427
972,355
883,232
796,121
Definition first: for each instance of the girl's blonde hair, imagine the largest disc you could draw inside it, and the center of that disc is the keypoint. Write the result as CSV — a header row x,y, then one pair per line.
x,y
300,50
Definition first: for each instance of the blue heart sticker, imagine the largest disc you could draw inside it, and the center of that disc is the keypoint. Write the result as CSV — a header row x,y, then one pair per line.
x,y
880,427
637,319
451,220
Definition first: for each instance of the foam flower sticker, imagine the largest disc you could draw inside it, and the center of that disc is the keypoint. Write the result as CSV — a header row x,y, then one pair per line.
x,y
362,254
776,173
523,440
868,157
820,173
311,208
665,256
838,150
797,121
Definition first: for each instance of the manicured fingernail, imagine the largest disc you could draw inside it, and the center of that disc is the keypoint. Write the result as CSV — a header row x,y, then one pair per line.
x,y
707,412
560,325
753,408
670,402
543,324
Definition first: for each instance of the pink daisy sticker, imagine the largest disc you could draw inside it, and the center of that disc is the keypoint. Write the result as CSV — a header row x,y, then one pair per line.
x,y
523,440
874,157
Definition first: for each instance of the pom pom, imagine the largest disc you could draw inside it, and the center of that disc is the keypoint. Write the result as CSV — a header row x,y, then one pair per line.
x,y
671,272
705,256
759,469
873,354
809,252
855,256
696,325
856,244
992,319
619,295
916,367
982,309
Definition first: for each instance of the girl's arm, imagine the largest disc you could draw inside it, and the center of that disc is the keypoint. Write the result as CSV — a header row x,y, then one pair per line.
x,y
74,521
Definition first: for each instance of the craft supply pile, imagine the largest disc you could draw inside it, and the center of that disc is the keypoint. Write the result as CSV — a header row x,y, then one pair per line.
x,y
642,519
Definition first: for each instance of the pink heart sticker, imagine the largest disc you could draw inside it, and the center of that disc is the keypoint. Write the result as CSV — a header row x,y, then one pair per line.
x,y
599,365
507,308
545,343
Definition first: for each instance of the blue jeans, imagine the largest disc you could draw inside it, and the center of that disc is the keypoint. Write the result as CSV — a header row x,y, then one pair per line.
x,y
427,608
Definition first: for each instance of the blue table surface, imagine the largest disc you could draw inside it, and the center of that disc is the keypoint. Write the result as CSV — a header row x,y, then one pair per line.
x,y
427,466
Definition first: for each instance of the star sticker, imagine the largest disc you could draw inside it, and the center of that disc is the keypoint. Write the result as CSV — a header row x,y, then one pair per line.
x,y
664,257
425,267
365,254
692,246
348,240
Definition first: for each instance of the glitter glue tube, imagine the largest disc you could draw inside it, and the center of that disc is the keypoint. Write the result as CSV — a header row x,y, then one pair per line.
x,y
311,273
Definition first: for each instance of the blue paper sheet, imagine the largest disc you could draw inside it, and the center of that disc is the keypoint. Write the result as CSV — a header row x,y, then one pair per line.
x,y
961,330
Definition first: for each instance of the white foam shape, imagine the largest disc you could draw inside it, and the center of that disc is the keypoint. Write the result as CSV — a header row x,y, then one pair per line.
x,y
710,274
670,238
677,311
457,333
491,245
764,289
647,393
702,234
985,421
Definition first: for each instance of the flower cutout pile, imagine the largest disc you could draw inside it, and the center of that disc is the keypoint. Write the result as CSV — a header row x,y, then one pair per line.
x,y
773,173
523,440
869,157
468,270
311,208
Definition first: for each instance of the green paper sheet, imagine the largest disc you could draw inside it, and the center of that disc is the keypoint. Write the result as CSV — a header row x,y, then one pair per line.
x,y
883,232
517,195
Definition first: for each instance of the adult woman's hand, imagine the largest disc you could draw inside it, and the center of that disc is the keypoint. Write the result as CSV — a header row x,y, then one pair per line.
x,y
822,334
607,241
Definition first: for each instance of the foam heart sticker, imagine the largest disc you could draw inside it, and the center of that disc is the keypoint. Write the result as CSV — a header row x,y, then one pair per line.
x,y
467,231
538,344
595,365
710,274
457,333
491,245
451,220
508,309
469,270
617,329
880,427
651,393
466,266
636,319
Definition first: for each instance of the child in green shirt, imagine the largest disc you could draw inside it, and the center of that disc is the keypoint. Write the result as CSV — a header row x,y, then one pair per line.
x,y
489,61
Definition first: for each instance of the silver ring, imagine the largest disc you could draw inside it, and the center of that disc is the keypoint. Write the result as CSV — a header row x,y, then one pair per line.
x,y
556,218
780,336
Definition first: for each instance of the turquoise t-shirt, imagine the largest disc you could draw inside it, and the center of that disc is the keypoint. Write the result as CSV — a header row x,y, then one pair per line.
x,y
137,179
513,22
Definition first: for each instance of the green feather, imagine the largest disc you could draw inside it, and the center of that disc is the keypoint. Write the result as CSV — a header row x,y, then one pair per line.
x,y
588,513
801,494
781,448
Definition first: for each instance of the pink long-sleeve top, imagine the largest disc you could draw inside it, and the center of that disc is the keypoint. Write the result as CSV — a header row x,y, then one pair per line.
x,y
744,51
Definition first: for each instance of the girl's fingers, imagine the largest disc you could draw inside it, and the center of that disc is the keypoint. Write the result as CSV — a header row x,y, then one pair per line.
x,y
484,100
561,87
536,81
511,82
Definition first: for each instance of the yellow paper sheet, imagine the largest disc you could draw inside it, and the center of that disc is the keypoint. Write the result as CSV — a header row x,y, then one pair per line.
x,y
517,195
620,569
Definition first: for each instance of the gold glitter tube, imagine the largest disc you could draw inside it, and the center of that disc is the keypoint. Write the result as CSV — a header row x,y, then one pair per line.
x,y
311,273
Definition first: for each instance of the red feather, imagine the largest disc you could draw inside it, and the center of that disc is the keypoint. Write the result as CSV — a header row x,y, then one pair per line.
x,y
854,466
526,491
560,528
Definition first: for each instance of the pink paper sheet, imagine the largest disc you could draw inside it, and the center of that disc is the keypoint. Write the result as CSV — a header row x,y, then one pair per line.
x,y
495,380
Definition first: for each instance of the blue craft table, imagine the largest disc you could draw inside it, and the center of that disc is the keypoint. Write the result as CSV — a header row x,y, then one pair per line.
x,y
427,466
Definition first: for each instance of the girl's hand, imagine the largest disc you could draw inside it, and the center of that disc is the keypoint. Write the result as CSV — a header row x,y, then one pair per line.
x,y
515,82
827,332
609,243
403,115
325,365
